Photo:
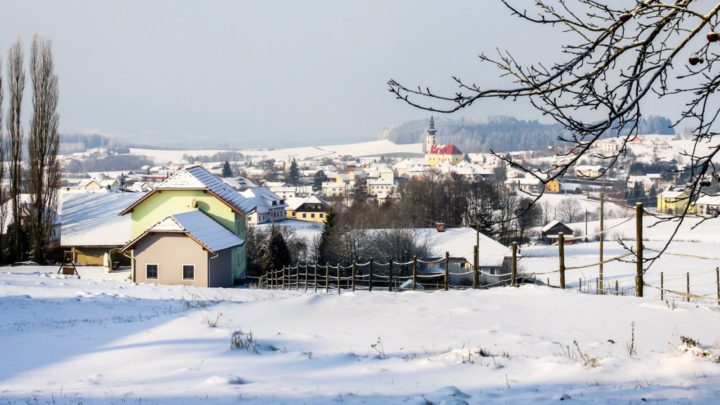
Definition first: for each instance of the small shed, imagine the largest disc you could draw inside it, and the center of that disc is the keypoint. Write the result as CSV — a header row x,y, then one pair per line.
x,y
188,249
551,231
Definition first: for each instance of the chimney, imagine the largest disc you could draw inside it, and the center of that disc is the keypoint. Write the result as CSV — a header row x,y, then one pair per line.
x,y
440,226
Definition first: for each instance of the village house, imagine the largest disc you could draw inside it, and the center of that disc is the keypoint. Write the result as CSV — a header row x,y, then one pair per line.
x,y
589,171
313,209
190,189
90,226
188,248
672,202
708,205
551,231
267,206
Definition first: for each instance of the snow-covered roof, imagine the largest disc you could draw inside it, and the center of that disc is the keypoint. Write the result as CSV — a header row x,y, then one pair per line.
x,y
91,219
709,200
460,242
198,226
262,199
199,178
296,202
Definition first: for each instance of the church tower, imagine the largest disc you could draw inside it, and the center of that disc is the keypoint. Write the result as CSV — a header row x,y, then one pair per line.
x,y
430,140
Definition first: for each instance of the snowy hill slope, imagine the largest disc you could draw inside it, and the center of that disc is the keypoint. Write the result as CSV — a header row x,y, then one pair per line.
x,y
64,340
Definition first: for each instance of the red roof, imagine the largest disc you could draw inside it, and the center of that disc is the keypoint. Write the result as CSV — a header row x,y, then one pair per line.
x,y
445,150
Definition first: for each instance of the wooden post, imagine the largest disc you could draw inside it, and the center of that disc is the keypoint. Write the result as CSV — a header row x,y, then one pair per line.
x,y
297,276
687,276
513,269
327,278
476,267
284,277
580,284
390,275
597,286
561,249
306,276
338,278
717,282
639,283
617,287
601,280
662,286
414,272
315,276
370,276
354,273
447,270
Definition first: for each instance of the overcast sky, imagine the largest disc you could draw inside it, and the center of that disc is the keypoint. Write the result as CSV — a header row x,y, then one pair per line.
x,y
263,73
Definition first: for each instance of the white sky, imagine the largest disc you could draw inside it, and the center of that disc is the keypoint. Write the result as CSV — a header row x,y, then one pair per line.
x,y
263,73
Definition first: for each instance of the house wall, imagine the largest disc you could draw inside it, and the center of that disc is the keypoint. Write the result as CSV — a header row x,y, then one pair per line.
x,y
164,203
170,251
93,256
221,269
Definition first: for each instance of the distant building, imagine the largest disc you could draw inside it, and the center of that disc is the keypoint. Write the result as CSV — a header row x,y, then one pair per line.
x,y
313,209
672,202
268,207
551,231
438,154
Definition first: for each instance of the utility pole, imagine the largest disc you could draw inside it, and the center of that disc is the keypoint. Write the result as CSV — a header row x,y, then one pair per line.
x,y
602,239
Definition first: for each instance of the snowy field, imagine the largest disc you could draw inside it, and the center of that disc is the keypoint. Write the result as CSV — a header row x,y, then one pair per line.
x,y
103,339
362,149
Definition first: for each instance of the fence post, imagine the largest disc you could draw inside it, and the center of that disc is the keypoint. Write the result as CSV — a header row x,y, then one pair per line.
x,y
476,266
307,273
513,269
414,272
447,269
617,287
597,286
284,278
687,276
327,277
338,278
639,283
354,272
370,276
580,284
561,248
315,276
717,282
390,278
662,286
297,276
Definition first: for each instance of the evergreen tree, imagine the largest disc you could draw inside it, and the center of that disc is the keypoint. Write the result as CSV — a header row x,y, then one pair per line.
x,y
226,170
325,251
275,253
294,174
319,179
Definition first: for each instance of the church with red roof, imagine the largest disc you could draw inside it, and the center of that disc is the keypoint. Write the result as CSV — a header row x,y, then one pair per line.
x,y
438,154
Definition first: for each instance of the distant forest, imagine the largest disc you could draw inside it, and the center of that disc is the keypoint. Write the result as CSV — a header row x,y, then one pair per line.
x,y
500,133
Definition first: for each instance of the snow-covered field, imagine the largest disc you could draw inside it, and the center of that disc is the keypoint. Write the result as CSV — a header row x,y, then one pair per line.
x,y
103,339
362,149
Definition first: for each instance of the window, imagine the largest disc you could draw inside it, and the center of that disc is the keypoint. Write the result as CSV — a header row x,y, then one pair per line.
x,y
188,271
304,215
151,271
312,215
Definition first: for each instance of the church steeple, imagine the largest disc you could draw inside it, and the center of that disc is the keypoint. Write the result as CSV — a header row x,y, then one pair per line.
x,y
430,140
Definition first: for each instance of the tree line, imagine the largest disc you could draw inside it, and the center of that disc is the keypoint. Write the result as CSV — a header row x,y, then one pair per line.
x,y
30,221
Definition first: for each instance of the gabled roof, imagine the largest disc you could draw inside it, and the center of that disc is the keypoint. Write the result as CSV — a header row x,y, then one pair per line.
x,y
297,202
195,224
553,224
91,219
445,150
262,199
199,178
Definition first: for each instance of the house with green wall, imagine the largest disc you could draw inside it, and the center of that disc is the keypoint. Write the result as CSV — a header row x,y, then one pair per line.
x,y
673,202
194,189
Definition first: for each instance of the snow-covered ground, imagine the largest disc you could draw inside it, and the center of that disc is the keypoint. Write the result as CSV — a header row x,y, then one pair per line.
x,y
103,339
362,149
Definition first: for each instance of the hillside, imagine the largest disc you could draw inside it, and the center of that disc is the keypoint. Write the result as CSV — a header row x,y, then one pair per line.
x,y
499,133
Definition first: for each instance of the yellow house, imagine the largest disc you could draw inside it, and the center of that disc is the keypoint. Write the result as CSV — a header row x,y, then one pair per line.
x,y
195,189
311,209
552,186
673,202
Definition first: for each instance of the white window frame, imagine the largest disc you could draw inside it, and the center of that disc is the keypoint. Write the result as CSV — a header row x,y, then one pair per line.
x,y
157,276
182,269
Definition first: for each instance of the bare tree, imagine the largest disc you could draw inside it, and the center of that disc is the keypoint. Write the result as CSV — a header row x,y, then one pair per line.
x,y
16,85
569,210
620,58
3,212
43,145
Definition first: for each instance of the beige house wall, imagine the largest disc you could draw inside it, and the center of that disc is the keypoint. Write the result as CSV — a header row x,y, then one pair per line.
x,y
170,252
